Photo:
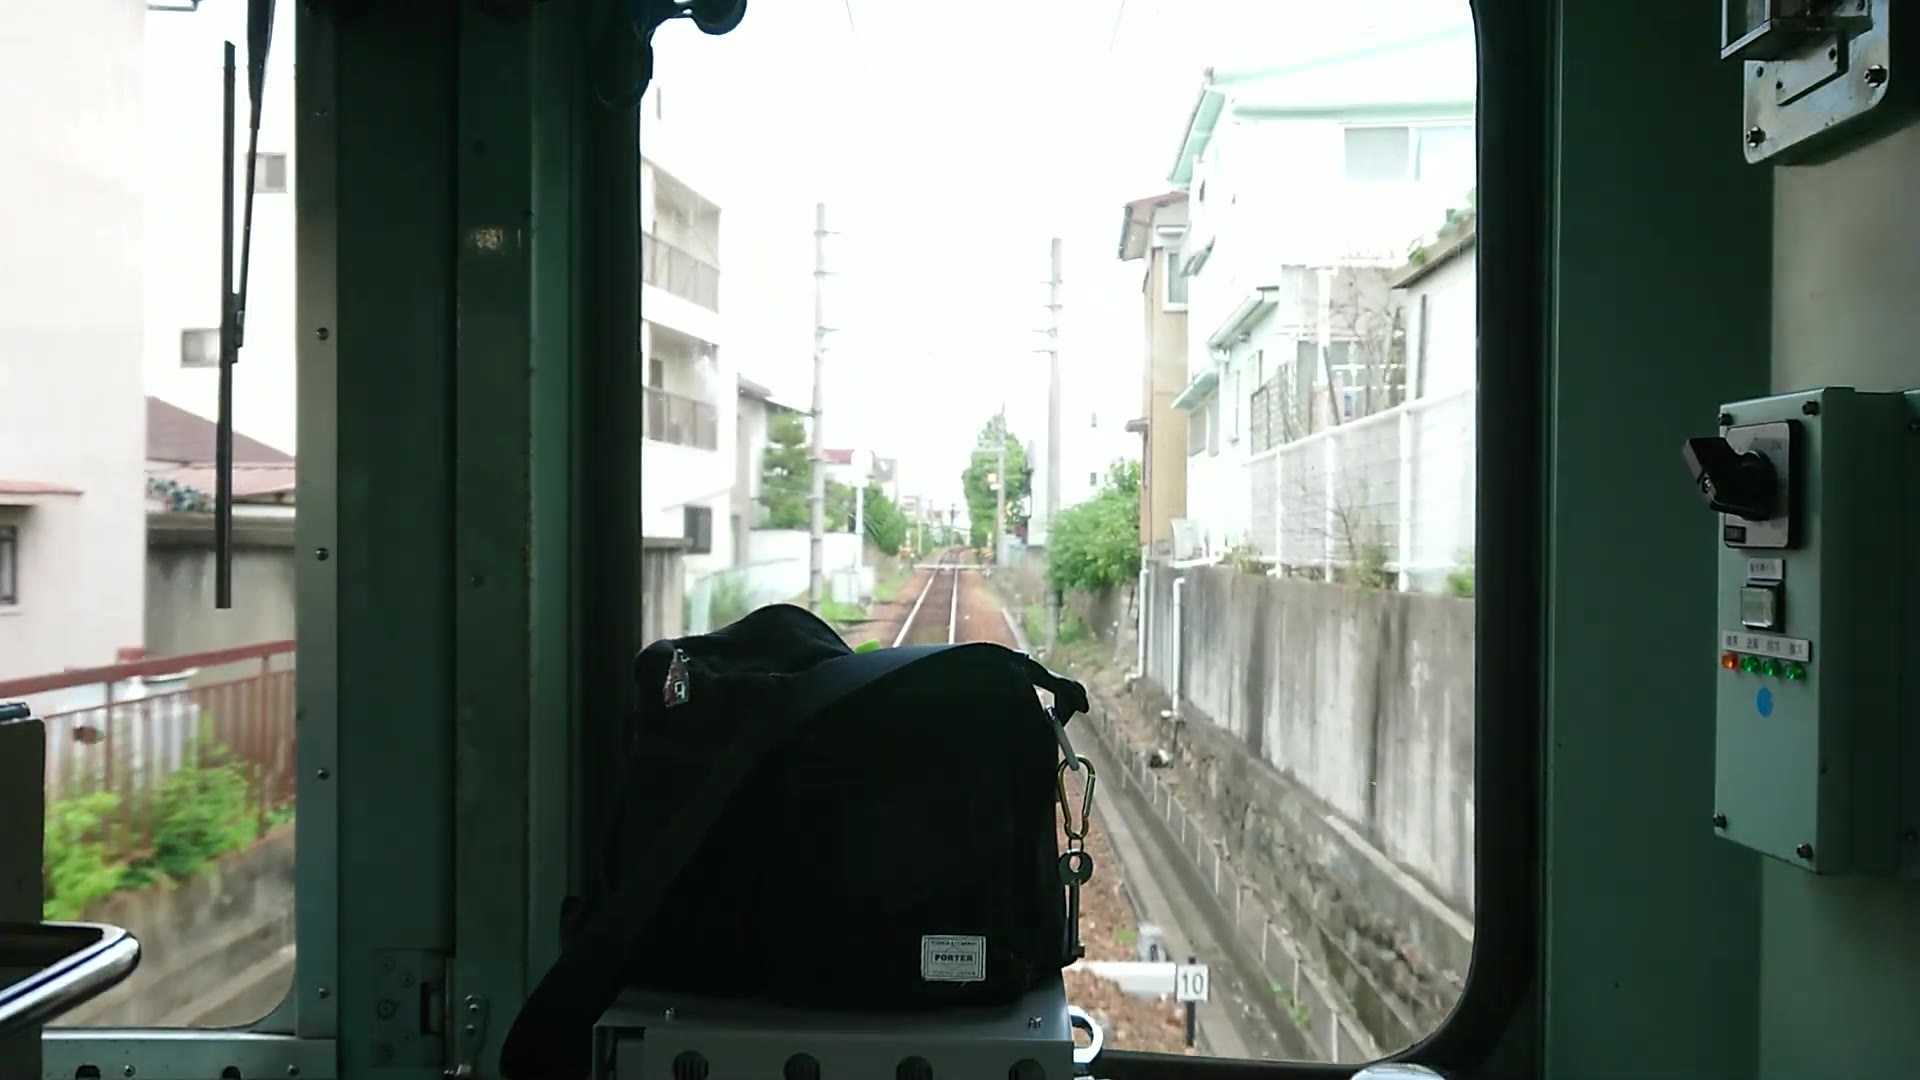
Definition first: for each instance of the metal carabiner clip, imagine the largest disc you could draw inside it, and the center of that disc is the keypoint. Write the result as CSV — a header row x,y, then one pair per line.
x,y
1084,1057
1060,735
1076,830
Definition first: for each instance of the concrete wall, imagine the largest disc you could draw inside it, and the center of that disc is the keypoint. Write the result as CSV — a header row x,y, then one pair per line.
x,y
215,950
786,546
777,570
1326,742
71,281
1364,697
180,616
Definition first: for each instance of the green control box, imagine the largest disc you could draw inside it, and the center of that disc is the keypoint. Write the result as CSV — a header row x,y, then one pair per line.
x,y
1817,749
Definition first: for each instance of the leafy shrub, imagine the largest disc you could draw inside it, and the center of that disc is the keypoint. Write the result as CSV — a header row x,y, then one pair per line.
x,y
1096,544
200,812
77,870
1460,579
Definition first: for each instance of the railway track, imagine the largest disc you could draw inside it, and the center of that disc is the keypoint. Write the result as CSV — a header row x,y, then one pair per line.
x,y
935,616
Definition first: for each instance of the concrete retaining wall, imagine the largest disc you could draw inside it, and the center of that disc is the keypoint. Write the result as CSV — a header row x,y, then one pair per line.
x,y
1322,774
1364,697
215,950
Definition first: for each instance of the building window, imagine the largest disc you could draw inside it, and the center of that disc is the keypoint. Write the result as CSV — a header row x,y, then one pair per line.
x,y
1376,154
200,347
1196,432
1176,283
699,530
1444,154
1431,154
270,174
9,565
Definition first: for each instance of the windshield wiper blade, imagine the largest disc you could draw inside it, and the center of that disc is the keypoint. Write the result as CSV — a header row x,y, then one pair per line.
x,y
233,295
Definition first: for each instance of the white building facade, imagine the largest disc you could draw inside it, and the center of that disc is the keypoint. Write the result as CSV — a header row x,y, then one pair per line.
x,y
72,413
1308,185
689,460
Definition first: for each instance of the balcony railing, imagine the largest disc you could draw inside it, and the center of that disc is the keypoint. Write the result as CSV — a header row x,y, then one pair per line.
x,y
664,266
683,421
118,735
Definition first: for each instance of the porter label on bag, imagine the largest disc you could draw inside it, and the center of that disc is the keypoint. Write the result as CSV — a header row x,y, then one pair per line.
x,y
953,958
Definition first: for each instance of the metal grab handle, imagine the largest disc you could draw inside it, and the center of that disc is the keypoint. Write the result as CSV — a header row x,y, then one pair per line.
x,y
66,982
1084,1057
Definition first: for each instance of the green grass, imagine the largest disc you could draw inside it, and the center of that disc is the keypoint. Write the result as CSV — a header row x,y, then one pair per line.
x,y
1034,620
889,587
841,615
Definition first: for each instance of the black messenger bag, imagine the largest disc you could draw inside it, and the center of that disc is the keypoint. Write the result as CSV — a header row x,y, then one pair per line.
x,y
806,825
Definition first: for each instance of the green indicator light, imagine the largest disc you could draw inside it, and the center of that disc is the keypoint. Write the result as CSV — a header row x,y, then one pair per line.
x,y
1749,663
1796,671
1770,668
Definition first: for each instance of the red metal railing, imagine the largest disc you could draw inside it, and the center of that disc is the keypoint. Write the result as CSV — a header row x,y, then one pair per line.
x,y
126,728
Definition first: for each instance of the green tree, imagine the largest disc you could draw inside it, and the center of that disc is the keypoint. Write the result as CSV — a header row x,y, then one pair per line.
x,y
786,480
978,484
786,475
1096,544
839,508
886,525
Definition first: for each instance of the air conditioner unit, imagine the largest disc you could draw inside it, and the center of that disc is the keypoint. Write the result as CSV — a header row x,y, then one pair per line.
x,y
1189,539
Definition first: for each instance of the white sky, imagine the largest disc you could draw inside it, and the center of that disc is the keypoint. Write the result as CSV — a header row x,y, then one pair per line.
x,y
950,145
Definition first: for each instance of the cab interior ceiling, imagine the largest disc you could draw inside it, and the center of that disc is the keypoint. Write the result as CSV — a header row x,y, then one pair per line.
x,y
1630,281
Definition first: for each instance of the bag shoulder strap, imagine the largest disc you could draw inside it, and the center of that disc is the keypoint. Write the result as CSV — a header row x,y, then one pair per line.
x,y
586,978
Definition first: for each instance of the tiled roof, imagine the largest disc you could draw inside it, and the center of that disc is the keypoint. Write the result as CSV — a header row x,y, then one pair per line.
x,y
174,434
35,487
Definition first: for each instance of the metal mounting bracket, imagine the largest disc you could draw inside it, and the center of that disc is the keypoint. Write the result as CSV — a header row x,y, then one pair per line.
x,y
1819,76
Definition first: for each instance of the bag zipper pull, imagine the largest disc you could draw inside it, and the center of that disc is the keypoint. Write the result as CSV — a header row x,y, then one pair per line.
x,y
678,690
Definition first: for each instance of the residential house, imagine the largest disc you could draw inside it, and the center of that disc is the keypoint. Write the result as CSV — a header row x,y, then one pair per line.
x,y
1305,183
181,478
72,520
689,462
1102,441
1150,231
756,411
180,148
850,467
1094,410
1438,286
1441,301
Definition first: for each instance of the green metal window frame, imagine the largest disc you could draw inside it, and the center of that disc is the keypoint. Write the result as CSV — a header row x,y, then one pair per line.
x,y
506,562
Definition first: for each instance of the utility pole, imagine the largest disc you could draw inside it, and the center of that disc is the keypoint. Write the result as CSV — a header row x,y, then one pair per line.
x,y
1053,429
1053,388
817,542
